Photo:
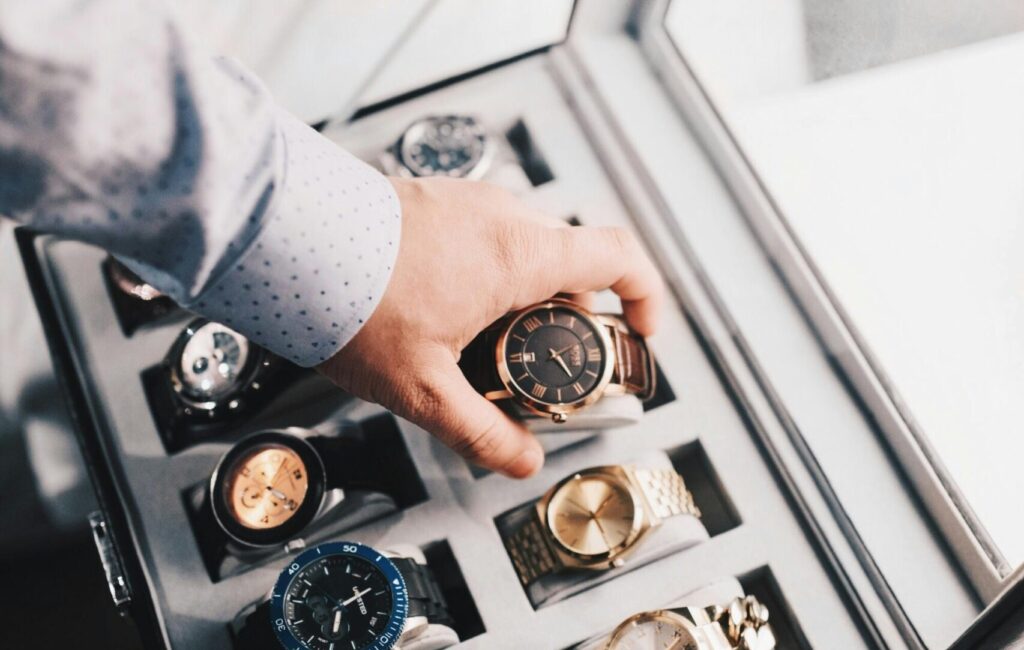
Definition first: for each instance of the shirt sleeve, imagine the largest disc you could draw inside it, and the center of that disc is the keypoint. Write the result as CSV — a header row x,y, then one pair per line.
x,y
115,130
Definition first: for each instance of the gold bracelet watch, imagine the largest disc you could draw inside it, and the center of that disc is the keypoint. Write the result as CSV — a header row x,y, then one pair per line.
x,y
595,518
742,624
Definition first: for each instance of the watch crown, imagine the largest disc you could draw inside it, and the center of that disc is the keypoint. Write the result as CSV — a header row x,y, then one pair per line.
x,y
560,418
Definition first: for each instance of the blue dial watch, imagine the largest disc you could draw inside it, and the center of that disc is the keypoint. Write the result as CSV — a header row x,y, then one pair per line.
x,y
339,596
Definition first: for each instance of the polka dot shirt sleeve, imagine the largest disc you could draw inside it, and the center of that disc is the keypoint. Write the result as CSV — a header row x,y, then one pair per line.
x,y
320,264
117,131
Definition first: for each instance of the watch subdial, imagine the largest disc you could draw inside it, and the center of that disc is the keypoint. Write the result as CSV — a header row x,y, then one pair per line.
x,y
555,355
266,487
592,515
252,495
659,630
212,362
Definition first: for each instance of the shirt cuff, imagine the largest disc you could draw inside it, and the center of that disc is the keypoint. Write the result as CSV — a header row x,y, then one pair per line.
x,y
319,266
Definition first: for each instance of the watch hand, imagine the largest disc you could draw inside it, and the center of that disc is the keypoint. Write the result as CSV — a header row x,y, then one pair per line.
x,y
565,349
273,480
555,357
603,504
356,596
578,506
604,535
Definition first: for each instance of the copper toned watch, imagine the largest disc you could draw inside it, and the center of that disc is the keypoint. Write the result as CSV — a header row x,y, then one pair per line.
x,y
270,486
595,518
555,358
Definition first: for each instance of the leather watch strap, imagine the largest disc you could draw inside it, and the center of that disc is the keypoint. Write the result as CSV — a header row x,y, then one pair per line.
x,y
530,553
349,463
634,369
424,592
477,361
665,492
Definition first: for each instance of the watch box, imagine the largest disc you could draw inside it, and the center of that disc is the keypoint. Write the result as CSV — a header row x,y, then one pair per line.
x,y
606,109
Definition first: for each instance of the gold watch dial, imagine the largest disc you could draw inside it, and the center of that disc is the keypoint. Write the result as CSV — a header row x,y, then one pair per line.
x,y
658,630
267,487
592,515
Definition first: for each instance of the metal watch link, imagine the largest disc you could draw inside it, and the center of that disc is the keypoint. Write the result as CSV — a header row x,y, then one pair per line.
x,y
555,358
741,624
595,518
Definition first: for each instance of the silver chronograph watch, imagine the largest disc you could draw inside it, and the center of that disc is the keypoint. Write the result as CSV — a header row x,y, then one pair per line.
x,y
456,146
214,370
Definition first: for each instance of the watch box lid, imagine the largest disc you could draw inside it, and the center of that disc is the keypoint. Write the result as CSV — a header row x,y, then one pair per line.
x,y
1001,625
323,59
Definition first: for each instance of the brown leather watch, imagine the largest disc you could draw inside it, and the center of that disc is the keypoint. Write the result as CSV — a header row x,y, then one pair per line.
x,y
555,358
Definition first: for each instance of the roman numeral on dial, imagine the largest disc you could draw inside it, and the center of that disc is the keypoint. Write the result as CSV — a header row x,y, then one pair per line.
x,y
538,391
579,389
593,354
532,323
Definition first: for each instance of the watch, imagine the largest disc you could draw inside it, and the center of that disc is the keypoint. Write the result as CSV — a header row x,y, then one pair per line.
x,y
127,282
555,358
215,372
456,146
595,518
347,596
271,485
136,303
742,624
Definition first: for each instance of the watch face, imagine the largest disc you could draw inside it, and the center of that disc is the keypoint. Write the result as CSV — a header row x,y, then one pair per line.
x,y
267,488
555,355
444,146
339,596
658,630
592,515
212,362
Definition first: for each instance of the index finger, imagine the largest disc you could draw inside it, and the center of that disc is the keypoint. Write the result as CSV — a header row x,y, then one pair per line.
x,y
586,258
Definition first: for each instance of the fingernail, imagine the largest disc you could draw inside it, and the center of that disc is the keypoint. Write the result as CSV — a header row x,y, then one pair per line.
x,y
527,464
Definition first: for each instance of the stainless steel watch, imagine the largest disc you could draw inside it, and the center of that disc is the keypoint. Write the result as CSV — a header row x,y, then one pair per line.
x,y
456,146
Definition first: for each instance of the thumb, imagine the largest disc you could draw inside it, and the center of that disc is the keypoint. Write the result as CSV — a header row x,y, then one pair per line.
x,y
475,428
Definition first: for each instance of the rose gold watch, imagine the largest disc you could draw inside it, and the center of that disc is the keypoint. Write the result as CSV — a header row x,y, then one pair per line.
x,y
555,358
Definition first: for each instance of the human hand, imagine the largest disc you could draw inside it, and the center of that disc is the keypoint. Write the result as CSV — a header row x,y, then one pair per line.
x,y
470,253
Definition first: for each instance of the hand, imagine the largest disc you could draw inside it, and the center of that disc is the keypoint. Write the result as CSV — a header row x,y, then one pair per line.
x,y
356,596
469,254
555,356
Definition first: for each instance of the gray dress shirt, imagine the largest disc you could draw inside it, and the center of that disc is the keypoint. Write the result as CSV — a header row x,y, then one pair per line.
x,y
117,131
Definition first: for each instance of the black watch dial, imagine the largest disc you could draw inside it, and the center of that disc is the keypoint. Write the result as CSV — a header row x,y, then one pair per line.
x,y
555,355
212,362
340,602
443,146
